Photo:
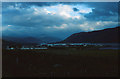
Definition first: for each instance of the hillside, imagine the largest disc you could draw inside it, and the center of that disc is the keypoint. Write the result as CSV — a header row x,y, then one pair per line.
x,y
110,35
8,40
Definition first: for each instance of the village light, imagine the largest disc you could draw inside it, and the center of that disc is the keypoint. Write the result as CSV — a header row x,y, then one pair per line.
x,y
11,48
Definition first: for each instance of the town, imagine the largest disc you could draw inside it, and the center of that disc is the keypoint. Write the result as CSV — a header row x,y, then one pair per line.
x,y
57,45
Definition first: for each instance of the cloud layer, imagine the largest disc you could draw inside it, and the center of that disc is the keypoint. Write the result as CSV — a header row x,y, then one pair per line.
x,y
57,19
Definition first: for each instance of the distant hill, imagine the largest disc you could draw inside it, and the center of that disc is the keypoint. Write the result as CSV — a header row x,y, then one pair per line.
x,y
110,35
49,39
18,40
9,43
28,40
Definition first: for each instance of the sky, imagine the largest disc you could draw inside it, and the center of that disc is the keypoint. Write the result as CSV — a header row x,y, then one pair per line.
x,y
57,19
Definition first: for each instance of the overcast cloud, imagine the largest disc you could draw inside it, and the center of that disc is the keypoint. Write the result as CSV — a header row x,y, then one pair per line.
x,y
57,19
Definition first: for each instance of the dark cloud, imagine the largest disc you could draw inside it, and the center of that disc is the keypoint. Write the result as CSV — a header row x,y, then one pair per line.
x,y
102,15
28,4
108,6
103,11
75,9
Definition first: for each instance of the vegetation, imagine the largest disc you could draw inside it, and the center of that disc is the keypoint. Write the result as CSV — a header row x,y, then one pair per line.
x,y
62,62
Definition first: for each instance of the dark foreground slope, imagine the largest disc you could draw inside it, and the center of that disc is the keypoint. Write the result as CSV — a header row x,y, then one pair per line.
x,y
110,35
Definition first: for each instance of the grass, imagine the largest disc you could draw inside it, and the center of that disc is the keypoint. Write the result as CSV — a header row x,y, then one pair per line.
x,y
65,62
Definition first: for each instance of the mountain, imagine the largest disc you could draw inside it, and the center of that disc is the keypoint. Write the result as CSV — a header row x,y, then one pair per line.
x,y
49,39
7,43
29,40
23,41
109,35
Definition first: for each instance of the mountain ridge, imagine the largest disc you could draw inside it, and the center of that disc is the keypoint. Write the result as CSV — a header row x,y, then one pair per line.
x,y
29,40
109,35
